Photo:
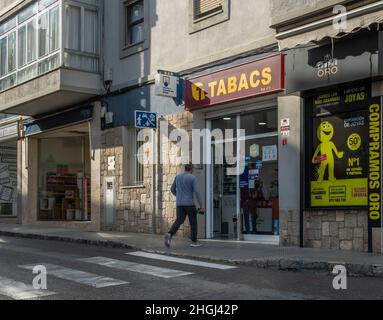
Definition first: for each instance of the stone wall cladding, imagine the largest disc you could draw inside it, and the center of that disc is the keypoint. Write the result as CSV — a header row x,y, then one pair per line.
x,y
289,227
134,206
342,229
167,173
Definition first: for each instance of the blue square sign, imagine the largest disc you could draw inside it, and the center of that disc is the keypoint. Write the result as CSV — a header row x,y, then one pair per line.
x,y
145,120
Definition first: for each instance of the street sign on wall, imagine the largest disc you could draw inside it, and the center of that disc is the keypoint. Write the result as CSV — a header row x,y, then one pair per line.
x,y
145,120
166,84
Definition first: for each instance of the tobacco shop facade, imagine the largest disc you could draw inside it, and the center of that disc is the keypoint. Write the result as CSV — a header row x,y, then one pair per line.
x,y
246,198
339,82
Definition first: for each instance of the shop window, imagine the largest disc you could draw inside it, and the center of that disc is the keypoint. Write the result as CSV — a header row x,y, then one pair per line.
x,y
8,179
64,179
134,170
135,34
206,13
337,155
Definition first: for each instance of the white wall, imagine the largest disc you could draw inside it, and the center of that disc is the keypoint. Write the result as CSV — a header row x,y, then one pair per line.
x,y
171,45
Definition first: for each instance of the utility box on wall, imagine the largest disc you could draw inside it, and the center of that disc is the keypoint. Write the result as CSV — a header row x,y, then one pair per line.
x,y
110,192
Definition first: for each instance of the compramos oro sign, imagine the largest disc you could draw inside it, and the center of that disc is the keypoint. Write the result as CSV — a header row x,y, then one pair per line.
x,y
375,167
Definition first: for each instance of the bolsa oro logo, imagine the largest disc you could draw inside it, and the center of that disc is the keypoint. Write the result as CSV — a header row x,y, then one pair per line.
x,y
236,83
327,67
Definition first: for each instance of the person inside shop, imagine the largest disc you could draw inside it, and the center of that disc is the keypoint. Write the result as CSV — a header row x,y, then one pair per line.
x,y
249,206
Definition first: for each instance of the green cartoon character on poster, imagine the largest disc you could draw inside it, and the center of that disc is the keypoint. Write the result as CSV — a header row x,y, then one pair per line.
x,y
324,154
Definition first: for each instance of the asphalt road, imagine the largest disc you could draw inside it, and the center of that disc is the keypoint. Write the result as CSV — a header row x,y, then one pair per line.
x,y
88,272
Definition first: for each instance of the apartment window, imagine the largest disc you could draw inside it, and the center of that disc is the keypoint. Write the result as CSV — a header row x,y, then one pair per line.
x,y
134,171
43,35
73,34
82,37
7,26
26,43
135,35
29,43
134,22
3,56
54,35
203,8
22,45
12,51
90,41
207,13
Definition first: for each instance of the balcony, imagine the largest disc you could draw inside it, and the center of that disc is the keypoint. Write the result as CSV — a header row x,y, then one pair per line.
x,y
49,56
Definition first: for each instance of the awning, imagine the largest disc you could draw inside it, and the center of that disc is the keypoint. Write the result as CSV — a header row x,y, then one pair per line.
x,y
59,120
357,19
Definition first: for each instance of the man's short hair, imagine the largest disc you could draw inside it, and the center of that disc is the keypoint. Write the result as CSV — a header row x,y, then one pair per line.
x,y
188,167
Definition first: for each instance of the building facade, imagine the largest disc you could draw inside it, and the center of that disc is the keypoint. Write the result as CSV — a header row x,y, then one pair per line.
x,y
334,64
50,75
79,72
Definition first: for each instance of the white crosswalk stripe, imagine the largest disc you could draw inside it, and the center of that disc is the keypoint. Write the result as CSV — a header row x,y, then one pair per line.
x,y
86,278
136,267
180,260
21,291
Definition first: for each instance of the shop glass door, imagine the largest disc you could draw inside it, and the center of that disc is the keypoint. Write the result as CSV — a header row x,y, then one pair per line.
x,y
224,196
259,188
249,201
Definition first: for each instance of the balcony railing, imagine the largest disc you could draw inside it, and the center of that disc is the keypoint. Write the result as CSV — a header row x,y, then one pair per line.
x,y
46,35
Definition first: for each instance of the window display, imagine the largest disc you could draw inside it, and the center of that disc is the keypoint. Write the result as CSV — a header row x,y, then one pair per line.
x,y
64,179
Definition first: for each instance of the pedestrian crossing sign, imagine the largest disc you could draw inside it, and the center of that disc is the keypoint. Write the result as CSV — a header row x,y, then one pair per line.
x,y
145,120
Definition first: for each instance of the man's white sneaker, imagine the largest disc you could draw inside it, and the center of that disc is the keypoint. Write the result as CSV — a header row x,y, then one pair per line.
x,y
195,245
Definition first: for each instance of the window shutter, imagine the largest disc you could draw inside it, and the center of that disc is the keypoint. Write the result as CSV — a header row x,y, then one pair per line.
x,y
204,7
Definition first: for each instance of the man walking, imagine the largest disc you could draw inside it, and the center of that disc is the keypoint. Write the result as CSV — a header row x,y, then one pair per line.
x,y
184,187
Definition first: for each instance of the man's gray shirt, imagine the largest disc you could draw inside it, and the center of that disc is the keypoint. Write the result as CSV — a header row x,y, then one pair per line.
x,y
184,187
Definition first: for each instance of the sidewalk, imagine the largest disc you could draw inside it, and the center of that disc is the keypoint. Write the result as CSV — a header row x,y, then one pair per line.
x,y
258,255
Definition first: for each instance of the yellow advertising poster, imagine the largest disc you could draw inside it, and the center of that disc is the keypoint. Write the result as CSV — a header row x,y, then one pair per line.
x,y
339,159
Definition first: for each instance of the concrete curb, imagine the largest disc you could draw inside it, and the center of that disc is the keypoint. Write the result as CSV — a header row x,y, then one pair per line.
x,y
103,243
281,264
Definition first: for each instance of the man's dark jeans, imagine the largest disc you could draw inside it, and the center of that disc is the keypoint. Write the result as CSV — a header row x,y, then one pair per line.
x,y
182,212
